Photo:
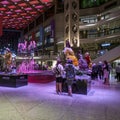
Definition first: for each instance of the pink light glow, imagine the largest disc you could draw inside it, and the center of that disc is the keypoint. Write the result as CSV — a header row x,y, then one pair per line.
x,y
5,2
40,6
18,11
11,19
23,14
14,15
12,6
46,1
19,18
28,8
5,17
28,17
22,4
9,12
34,2
33,12
48,4
2,9
16,0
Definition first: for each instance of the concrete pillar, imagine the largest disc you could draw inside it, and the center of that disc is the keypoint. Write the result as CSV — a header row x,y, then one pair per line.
x,y
71,22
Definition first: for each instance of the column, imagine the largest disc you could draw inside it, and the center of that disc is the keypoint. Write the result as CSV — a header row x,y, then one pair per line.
x,y
71,22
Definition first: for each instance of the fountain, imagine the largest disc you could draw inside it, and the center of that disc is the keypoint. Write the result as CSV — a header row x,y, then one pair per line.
x,y
24,72
27,66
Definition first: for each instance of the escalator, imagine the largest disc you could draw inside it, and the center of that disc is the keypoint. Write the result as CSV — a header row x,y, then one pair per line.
x,y
110,55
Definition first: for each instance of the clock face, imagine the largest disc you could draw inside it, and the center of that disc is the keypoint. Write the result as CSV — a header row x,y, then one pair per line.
x,y
74,4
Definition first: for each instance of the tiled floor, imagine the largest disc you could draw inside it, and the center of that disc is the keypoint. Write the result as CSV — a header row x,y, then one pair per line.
x,y
40,102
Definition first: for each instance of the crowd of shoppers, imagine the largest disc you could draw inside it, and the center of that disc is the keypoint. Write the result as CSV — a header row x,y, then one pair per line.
x,y
101,71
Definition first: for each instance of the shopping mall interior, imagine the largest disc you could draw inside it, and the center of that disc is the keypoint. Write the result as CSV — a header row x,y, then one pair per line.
x,y
34,35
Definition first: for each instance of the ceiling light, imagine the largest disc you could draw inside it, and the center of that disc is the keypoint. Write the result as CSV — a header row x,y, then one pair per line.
x,y
4,5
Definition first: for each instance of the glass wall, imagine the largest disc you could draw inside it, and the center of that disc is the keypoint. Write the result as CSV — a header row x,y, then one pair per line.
x,y
101,30
91,3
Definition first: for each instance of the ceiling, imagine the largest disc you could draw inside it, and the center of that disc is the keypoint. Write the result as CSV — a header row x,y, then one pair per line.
x,y
17,14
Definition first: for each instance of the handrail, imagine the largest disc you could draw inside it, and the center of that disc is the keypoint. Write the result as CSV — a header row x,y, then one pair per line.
x,y
110,55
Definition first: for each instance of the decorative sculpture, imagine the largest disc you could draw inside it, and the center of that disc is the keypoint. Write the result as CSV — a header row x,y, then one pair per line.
x,y
88,59
69,53
8,60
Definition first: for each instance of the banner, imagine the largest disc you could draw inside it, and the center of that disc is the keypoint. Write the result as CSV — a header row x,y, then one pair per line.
x,y
33,36
1,26
52,29
41,35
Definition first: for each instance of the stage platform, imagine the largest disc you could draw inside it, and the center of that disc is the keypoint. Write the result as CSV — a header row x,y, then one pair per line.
x,y
21,79
81,85
13,80
43,76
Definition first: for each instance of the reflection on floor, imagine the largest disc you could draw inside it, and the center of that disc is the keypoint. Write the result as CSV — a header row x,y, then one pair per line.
x,y
40,102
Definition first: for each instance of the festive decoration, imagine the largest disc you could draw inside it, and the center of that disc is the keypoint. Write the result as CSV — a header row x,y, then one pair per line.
x,y
0,25
24,47
88,59
8,60
69,53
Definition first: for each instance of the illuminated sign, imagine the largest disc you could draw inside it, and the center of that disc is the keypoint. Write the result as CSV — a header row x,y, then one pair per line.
x,y
105,44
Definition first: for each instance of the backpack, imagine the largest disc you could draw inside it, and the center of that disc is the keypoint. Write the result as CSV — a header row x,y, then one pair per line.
x,y
70,72
57,71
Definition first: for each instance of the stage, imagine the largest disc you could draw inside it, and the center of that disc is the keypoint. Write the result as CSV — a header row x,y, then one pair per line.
x,y
43,76
22,79
81,84
13,80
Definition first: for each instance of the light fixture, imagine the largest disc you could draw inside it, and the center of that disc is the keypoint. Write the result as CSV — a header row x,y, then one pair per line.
x,y
4,5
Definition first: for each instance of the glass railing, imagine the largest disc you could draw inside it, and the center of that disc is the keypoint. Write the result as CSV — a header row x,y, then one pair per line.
x,y
105,32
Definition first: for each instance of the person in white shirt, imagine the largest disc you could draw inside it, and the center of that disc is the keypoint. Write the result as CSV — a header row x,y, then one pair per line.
x,y
58,70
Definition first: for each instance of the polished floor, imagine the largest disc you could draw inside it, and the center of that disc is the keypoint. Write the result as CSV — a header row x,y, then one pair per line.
x,y
40,102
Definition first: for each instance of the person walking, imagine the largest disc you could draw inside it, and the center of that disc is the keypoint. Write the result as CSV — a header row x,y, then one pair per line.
x,y
106,72
100,70
70,75
117,69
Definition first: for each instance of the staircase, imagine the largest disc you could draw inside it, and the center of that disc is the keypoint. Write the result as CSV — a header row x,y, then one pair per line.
x,y
109,55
